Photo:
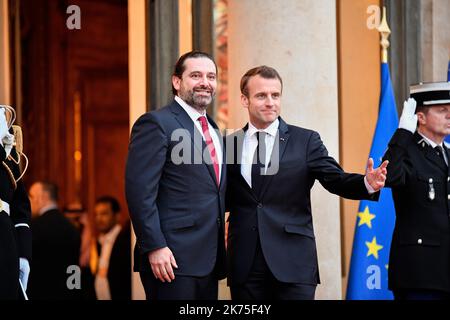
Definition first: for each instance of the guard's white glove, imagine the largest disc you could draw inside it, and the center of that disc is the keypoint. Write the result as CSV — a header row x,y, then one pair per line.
x,y
24,272
3,124
408,119
8,143
6,138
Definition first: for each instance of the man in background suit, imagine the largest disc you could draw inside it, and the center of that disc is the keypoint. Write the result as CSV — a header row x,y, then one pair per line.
x,y
175,188
271,245
56,246
110,254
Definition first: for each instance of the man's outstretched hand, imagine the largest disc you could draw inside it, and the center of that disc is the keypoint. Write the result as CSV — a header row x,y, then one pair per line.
x,y
376,177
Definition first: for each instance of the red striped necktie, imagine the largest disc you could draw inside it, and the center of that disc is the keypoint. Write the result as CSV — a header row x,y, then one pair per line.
x,y
210,145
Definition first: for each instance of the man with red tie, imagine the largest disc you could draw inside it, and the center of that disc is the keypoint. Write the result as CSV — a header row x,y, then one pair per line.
x,y
175,189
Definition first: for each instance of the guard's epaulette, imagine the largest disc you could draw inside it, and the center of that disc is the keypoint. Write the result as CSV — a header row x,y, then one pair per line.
x,y
15,157
18,137
422,142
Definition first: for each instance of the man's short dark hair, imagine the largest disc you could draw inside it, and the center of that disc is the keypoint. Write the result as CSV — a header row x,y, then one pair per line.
x,y
114,204
180,66
51,189
422,109
264,72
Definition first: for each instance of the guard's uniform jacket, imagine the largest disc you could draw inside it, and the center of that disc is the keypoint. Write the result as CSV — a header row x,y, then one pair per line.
x,y
420,182
15,234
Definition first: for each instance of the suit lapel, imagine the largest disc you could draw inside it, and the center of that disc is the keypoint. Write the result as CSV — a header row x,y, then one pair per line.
x,y
280,143
235,158
186,122
430,153
281,140
448,159
210,166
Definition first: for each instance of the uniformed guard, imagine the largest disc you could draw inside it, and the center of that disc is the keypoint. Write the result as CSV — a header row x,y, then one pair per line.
x,y
15,214
418,173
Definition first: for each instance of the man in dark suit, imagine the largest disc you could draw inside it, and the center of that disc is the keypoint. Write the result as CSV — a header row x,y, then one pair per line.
x,y
271,246
175,188
419,262
15,215
110,255
56,246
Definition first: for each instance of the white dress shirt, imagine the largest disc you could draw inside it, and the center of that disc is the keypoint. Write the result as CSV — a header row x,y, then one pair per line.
x,y
251,143
101,283
194,115
49,207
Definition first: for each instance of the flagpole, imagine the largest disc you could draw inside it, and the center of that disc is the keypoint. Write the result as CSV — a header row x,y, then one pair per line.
x,y
384,30
368,276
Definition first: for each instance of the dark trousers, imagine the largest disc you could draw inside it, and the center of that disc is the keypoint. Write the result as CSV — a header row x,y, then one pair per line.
x,y
420,294
262,285
182,288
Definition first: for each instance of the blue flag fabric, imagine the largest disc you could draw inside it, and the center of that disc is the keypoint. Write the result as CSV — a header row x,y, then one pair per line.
x,y
448,71
447,139
375,221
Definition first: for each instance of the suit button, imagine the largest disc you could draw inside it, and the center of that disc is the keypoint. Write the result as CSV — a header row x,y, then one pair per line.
x,y
254,228
218,221
260,205
419,241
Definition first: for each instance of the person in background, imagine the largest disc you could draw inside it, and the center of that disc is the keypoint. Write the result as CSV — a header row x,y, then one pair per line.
x,y
110,254
56,246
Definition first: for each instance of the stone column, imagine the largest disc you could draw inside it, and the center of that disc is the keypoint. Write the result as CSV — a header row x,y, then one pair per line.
x,y
436,39
137,53
162,26
4,54
298,38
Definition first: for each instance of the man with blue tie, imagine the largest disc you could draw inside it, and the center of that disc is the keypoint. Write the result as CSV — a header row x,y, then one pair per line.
x,y
272,167
176,196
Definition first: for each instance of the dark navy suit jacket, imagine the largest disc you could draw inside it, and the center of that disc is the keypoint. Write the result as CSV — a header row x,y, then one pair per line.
x,y
281,214
420,249
177,205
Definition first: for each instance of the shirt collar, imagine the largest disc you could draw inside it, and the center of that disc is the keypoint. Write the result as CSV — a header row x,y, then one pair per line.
x,y
110,235
429,141
192,113
48,208
271,130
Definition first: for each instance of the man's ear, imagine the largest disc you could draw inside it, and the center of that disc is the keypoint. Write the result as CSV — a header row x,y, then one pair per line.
x,y
421,118
244,101
176,82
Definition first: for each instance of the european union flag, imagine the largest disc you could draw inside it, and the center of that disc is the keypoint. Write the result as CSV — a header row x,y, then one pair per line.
x,y
375,221
448,71
447,139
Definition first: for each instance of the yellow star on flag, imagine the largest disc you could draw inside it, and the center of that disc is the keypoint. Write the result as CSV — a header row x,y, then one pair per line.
x,y
374,247
365,217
